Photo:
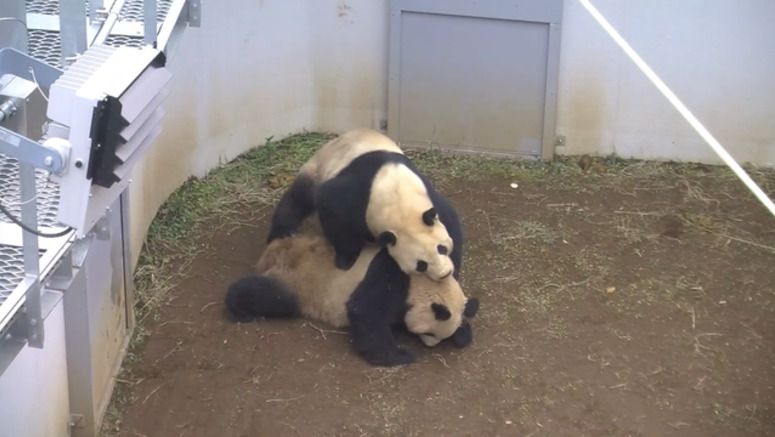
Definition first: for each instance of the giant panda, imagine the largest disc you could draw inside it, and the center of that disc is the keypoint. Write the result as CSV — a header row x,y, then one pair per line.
x,y
296,276
364,188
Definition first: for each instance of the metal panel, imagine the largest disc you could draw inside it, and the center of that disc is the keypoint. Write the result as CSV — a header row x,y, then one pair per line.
x,y
96,321
475,76
33,389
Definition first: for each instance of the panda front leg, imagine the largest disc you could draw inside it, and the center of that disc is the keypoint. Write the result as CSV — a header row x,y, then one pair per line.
x,y
345,238
347,253
374,341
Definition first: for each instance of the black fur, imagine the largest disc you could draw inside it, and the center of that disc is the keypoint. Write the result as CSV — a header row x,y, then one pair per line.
x,y
441,312
449,217
472,307
376,306
429,216
342,201
296,205
463,336
387,238
260,296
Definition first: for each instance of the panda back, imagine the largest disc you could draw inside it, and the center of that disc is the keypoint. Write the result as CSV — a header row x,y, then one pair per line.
x,y
338,153
304,263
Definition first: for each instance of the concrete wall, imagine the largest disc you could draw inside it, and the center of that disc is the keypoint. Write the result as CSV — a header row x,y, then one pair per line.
x,y
273,67
716,55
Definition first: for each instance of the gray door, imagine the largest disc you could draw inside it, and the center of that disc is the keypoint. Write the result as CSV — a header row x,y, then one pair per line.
x,y
477,76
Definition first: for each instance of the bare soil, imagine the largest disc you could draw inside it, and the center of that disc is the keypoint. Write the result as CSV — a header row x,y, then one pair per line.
x,y
636,301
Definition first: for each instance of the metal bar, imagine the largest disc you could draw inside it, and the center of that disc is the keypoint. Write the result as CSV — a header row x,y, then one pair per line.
x,y
110,22
129,284
31,255
72,25
149,21
94,7
550,94
174,23
194,13
21,65
30,152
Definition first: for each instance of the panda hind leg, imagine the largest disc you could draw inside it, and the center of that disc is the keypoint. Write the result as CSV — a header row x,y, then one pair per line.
x,y
296,204
260,296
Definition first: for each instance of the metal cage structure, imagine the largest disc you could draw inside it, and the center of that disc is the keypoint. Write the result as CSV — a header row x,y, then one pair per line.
x,y
82,86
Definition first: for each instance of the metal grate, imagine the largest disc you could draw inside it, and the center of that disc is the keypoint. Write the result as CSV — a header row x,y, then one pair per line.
x,y
124,41
133,10
46,46
11,270
47,7
47,193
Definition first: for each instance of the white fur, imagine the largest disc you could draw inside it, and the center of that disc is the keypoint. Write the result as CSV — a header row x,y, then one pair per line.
x,y
398,200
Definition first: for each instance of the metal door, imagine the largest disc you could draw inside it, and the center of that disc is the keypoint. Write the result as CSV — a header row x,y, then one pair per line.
x,y
475,75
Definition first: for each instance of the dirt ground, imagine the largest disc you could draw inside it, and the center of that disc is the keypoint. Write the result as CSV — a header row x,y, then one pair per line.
x,y
630,299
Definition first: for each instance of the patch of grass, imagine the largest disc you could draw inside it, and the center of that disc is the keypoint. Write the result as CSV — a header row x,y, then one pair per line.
x,y
440,166
252,182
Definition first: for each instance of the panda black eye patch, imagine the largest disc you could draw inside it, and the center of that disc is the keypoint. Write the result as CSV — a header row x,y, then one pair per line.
x,y
442,249
422,266
429,216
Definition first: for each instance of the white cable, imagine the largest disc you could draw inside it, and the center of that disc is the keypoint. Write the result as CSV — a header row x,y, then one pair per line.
x,y
40,90
680,107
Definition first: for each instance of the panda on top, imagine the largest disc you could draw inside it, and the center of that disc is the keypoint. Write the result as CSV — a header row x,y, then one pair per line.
x,y
364,189
296,276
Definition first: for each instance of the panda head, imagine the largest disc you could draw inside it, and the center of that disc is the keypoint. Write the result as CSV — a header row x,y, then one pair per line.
x,y
423,246
438,310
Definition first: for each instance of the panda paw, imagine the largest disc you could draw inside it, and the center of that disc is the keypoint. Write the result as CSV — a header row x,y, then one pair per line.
x,y
344,262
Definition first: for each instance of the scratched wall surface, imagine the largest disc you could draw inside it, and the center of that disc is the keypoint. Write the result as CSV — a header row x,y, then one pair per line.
x,y
274,67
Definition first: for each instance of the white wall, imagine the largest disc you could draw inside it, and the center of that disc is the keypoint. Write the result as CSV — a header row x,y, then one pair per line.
x,y
259,68
718,56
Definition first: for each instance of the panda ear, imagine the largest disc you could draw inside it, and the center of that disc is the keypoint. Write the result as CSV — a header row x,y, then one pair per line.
x,y
472,307
428,216
441,311
387,238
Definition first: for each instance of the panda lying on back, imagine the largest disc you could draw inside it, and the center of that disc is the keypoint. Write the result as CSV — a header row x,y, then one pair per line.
x,y
296,275
364,188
